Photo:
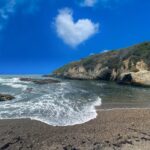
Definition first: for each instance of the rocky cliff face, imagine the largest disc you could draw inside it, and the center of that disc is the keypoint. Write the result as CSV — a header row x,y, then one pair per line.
x,y
128,66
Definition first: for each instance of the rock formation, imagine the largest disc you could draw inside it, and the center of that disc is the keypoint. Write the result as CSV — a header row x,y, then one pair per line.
x,y
6,97
39,81
127,66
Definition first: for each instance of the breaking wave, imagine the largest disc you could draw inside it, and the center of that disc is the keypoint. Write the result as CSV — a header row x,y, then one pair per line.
x,y
13,82
59,104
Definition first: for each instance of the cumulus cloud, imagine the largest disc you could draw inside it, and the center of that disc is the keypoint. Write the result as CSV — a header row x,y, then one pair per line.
x,y
71,32
89,3
9,7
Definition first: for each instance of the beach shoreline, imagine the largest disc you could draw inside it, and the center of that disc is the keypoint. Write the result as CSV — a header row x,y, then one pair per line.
x,y
112,129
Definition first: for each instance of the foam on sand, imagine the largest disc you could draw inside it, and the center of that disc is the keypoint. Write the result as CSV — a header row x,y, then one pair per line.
x,y
60,105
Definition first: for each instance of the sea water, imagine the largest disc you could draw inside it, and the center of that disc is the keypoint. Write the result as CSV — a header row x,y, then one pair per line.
x,y
69,102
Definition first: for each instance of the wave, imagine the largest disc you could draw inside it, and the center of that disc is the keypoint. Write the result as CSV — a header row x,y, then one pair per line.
x,y
14,83
62,105
12,80
50,113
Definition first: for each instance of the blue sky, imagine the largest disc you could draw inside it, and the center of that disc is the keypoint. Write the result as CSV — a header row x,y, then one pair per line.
x,y
38,36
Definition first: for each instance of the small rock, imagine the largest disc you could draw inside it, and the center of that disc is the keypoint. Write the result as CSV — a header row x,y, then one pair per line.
x,y
69,147
6,97
96,143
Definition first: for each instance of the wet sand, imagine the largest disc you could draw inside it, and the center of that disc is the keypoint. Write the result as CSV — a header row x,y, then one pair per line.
x,y
118,129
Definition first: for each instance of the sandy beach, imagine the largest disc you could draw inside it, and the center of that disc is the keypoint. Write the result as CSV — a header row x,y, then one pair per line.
x,y
118,129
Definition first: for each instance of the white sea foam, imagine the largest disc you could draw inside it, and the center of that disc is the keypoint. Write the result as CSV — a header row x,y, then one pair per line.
x,y
65,115
9,80
14,83
61,106
23,87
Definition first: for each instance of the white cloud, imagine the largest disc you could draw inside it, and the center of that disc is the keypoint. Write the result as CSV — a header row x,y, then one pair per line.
x,y
71,32
9,7
89,3
105,51
104,3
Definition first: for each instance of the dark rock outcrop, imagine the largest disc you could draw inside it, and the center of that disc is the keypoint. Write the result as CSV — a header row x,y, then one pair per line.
x,y
125,79
105,74
6,97
126,66
39,81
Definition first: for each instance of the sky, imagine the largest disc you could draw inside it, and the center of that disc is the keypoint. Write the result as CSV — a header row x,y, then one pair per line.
x,y
39,36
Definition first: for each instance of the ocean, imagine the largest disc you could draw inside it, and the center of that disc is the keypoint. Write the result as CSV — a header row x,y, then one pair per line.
x,y
69,102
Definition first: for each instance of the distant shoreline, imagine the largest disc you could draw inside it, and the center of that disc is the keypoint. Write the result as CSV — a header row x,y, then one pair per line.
x,y
118,128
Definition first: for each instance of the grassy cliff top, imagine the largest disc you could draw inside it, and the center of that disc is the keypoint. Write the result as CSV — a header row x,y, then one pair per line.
x,y
113,58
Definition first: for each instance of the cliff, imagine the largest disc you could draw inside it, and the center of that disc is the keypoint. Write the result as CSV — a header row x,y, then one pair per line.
x,y
128,66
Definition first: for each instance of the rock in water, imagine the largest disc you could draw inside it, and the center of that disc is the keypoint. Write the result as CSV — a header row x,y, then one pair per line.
x,y
39,81
6,97
126,66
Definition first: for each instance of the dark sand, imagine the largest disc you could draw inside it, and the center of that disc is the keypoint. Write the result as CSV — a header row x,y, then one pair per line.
x,y
120,129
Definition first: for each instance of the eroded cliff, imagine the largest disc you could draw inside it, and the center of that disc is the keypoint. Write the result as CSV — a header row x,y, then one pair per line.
x,y
128,66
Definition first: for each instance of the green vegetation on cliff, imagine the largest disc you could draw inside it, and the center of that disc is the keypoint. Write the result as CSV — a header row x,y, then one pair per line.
x,y
141,51
113,59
